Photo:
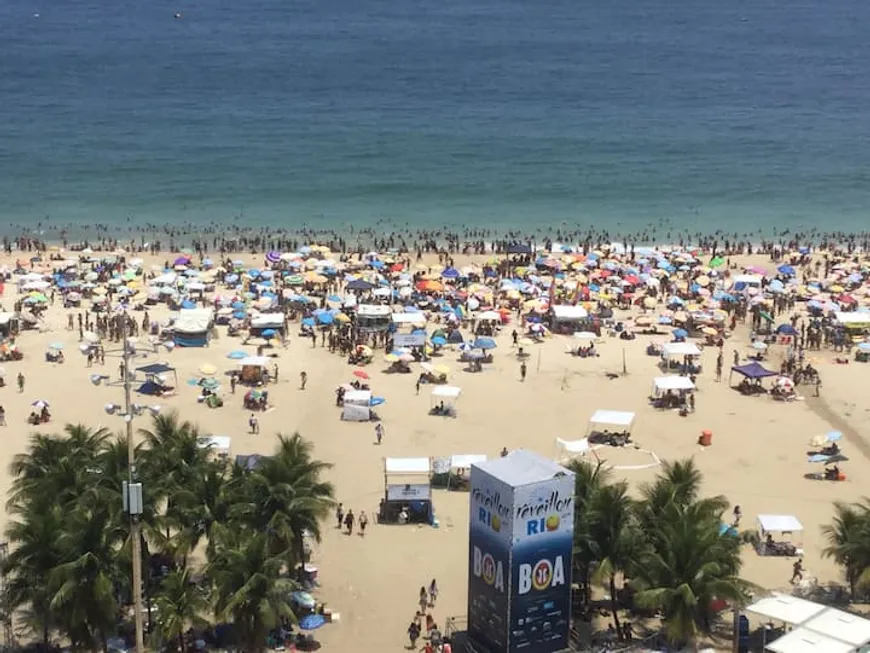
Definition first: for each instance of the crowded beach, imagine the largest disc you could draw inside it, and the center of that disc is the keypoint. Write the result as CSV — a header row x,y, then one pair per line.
x,y
404,366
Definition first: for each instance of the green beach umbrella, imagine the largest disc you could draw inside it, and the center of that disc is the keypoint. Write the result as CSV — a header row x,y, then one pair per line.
x,y
717,262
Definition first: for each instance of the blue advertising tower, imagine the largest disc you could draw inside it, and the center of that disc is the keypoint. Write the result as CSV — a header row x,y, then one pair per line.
x,y
520,544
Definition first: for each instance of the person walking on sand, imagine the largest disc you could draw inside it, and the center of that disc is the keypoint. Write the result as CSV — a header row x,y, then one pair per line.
x,y
433,592
20,383
797,574
424,600
339,514
379,432
523,371
254,424
363,522
414,633
233,383
303,379
348,522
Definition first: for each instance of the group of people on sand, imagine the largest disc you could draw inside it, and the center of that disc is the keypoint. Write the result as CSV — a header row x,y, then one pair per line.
x,y
346,520
424,624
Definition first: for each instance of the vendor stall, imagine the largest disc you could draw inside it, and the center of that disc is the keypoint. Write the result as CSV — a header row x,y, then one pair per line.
x,y
444,398
407,492
567,319
266,322
373,318
357,406
784,526
191,327
254,369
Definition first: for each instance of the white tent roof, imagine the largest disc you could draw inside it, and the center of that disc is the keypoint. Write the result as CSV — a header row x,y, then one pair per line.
x,y
585,335
446,391
612,418
418,319
802,640
843,626
267,320
489,316
574,446
786,608
254,361
358,397
673,382
464,461
220,443
680,349
853,318
193,320
407,465
779,523
569,312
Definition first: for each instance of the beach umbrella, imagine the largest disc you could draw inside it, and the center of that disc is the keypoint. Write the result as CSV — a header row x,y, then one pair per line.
x,y
717,261
466,346
833,436
377,401
864,347
787,270
269,333
391,358
210,383
56,345
273,256
303,599
361,374
207,369
308,321
758,346
786,330
40,404
485,343
237,355
326,318
439,341
312,622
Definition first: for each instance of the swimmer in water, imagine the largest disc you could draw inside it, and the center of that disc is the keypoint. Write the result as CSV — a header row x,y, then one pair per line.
x,y
177,14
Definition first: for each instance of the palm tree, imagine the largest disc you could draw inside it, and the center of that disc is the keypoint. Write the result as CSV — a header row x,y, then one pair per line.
x,y
180,603
588,481
614,538
688,566
30,563
285,498
84,585
848,539
245,577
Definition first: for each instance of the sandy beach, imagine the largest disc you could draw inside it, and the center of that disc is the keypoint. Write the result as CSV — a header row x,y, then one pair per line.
x,y
757,458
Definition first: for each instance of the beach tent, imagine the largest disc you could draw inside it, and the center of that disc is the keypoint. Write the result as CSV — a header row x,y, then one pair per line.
x,y
753,371
156,369
778,524
567,314
357,406
191,327
217,444
620,420
253,368
674,349
673,382
460,469
265,321
448,394
785,608
569,449
413,319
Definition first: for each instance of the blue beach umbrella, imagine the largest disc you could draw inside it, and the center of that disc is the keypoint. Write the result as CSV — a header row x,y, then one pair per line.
x,y
237,355
787,270
308,321
439,341
680,333
377,401
326,318
269,333
240,315
833,436
485,343
465,346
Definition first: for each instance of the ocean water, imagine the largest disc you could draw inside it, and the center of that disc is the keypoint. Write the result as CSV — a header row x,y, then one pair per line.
x,y
738,115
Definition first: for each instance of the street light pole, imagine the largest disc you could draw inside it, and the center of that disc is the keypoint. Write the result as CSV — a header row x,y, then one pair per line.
x,y
132,507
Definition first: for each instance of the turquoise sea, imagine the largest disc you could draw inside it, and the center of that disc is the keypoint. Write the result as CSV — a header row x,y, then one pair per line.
x,y
714,114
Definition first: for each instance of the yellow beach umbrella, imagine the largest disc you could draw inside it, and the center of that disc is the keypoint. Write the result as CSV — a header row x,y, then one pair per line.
x,y
207,370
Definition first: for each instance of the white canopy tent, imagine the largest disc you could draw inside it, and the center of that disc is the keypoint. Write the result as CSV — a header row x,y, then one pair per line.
x,y
413,319
673,383
802,640
357,406
779,524
407,490
671,349
218,444
609,419
460,468
447,395
488,316
785,608
568,313
587,336
407,466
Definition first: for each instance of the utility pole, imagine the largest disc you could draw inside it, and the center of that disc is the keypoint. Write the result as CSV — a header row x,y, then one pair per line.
x,y
133,494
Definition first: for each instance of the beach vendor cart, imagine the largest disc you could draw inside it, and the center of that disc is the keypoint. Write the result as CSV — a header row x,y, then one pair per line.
x,y
407,492
444,398
611,427
357,406
772,533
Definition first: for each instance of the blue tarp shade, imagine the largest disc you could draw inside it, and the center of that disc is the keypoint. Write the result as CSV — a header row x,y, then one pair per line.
x,y
155,368
753,371
786,330
191,339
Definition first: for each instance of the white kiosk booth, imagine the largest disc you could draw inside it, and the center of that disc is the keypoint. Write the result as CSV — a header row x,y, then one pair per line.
x,y
407,492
